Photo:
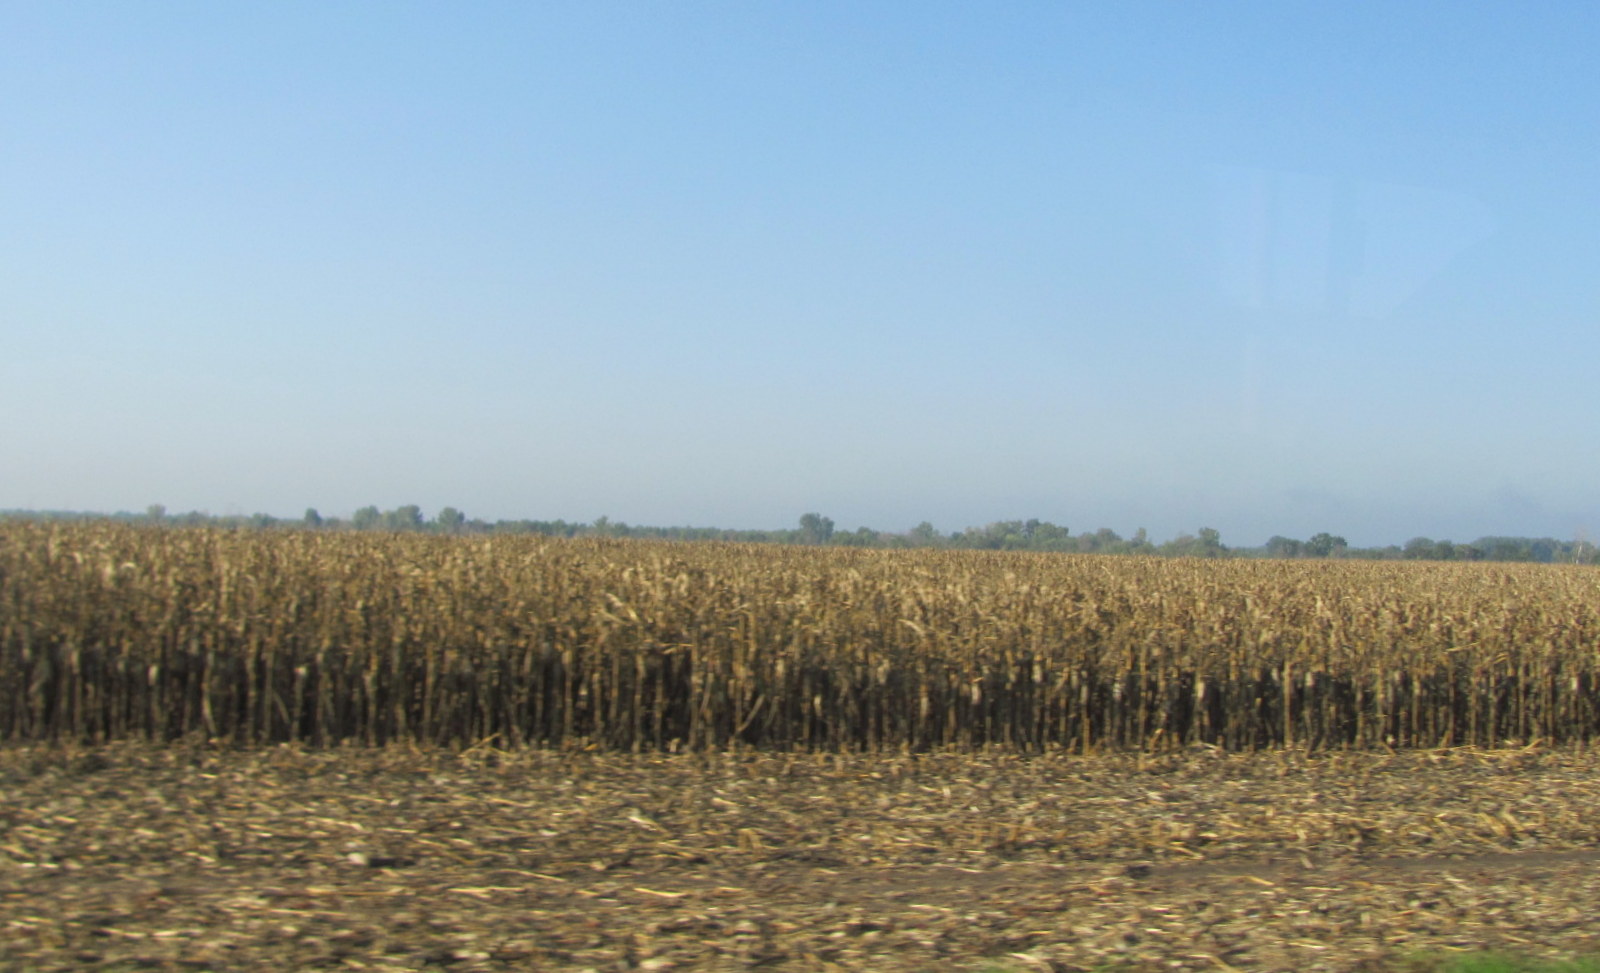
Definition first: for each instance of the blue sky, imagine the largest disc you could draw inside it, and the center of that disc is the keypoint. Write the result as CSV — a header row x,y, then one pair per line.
x,y
1268,268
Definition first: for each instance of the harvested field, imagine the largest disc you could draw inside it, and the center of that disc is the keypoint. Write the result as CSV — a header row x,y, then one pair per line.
x,y
194,857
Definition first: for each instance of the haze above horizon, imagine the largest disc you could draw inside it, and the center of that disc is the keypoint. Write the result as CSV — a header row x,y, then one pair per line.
x,y
1267,269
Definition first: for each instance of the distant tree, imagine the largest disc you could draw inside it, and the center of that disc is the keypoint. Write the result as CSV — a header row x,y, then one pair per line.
x,y
155,513
366,518
1207,544
1278,546
450,520
1418,549
1540,549
1583,551
311,518
1046,536
815,529
1184,545
923,535
1002,535
1103,541
860,537
1325,545
408,517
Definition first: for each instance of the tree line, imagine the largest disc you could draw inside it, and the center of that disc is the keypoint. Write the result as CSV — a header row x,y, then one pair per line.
x,y
818,530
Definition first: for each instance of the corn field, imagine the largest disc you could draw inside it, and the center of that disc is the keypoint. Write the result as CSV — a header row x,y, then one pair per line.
x,y
326,638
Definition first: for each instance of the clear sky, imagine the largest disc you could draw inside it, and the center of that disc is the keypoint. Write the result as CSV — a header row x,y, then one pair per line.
x,y
1272,268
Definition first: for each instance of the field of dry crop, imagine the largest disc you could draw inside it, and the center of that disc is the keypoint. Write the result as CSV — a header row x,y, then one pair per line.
x,y
297,750
263,637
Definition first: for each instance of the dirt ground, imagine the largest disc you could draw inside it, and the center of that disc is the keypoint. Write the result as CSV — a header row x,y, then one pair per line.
x,y
194,857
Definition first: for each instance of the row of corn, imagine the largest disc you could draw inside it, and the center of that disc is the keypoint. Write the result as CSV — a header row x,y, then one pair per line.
x,y
111,631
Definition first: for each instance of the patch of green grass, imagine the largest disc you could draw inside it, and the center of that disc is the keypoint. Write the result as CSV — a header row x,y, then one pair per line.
x,y
1494,963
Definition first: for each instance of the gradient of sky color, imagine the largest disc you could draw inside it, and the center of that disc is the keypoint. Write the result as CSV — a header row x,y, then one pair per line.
x,y
1269,268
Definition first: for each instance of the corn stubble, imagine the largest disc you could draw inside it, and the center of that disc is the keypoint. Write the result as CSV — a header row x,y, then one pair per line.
x,y
113,632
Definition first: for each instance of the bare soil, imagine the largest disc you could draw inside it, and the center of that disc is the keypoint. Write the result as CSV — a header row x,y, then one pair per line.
x,y
197,857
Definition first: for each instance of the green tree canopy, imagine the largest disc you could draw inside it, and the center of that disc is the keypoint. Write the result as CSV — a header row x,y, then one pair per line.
x,y
815,529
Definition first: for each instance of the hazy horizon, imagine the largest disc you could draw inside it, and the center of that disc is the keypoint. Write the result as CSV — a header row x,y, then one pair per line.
x,y
1270,270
